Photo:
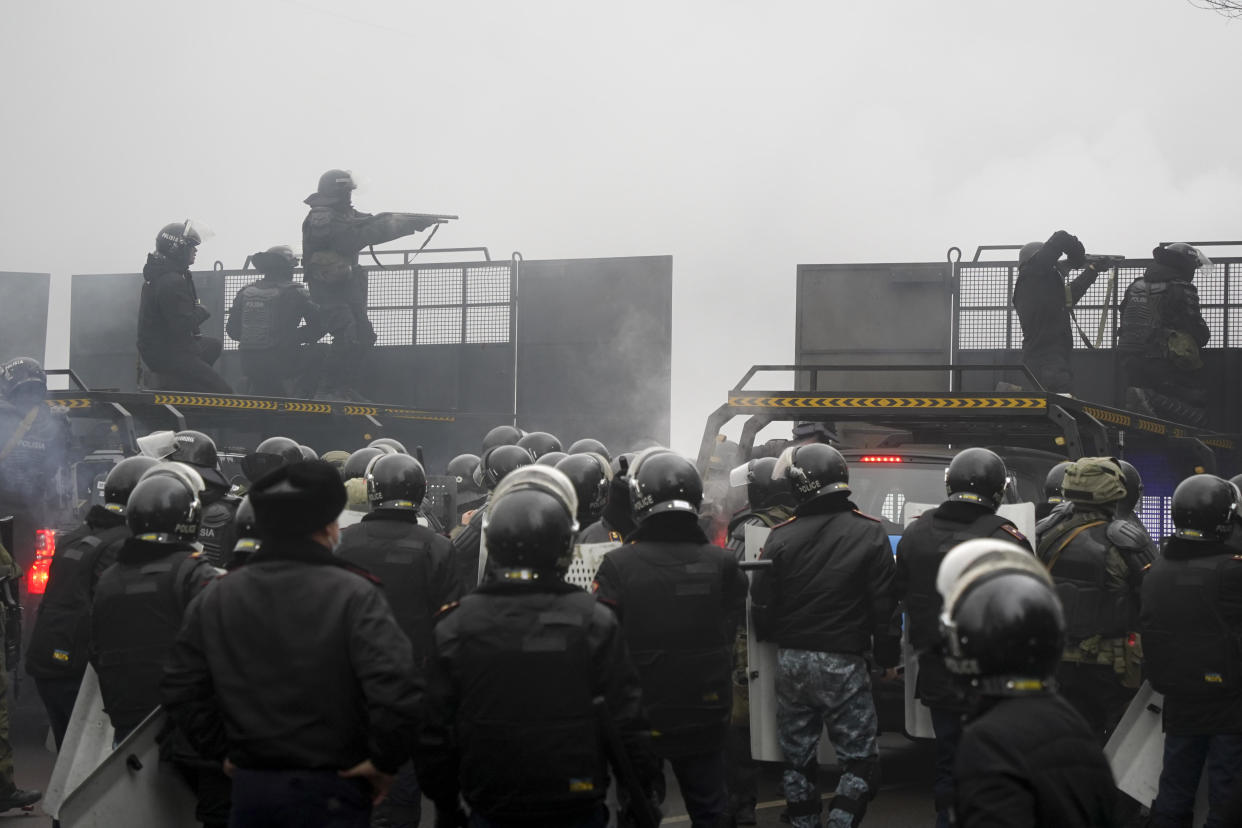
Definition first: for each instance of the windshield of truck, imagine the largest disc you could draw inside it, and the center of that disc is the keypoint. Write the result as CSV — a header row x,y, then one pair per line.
x,y
883,490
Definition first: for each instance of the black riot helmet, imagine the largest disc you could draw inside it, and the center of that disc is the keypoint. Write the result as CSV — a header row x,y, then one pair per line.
x,y
24,378
396,481
1003,625
396,445
590,474
308,453
661,480
813,469
122,480
539,443
762,490
246,530
336,184
1204,505
270,455
625,458
276,263
178,241
977,475
502,435
194,448
164,508
1054,480
356,465
1134,488
498,462
462,468
530,524
1182,257
551,458
589,444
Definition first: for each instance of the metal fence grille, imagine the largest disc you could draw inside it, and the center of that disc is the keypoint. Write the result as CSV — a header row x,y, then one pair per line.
x,y
438,304
1156,513
986,320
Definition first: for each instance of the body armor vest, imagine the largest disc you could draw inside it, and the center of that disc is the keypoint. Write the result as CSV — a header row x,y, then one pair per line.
x,y
1078,554
258,317
537,646
215,530
1192,651
61,639
135,620
1142,327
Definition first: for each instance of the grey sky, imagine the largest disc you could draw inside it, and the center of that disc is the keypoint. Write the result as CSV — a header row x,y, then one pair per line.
x,y
742,138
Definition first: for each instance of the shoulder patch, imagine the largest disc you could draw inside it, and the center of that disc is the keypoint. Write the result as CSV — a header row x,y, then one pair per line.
x,y
1013,530
867,516
445,609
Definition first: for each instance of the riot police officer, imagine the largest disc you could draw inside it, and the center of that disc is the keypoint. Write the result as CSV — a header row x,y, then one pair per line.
x,y
826,597
1096,561
679,599
1191,618
1026,757
170,315
269,455
246,530
215,527
539,443
419,575
299,653
616,521
33,441
589,445
138,608
769,501
976,483
502,435
1044,302
1052,490
60,642
496,463
1161,334
333,234
470,495
266,322
590,475
528,659
1126,506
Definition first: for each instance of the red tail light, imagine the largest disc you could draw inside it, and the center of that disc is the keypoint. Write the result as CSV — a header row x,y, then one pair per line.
x,y
45,548
881,458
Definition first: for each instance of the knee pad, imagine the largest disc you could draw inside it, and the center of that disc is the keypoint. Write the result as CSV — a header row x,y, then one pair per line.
x,y
868,770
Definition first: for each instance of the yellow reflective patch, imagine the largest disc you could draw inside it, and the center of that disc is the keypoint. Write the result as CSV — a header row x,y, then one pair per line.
x,y
1213,678
581,786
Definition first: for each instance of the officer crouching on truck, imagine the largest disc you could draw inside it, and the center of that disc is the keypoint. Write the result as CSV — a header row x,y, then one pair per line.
x,y
266,322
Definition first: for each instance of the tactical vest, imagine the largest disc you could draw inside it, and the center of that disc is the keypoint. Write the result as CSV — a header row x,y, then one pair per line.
x,y
215,530
678,637
258,307
392,551
28,442
1077,553
323,263
1190,648
1142,328
61,638
935,537
136,616
540,649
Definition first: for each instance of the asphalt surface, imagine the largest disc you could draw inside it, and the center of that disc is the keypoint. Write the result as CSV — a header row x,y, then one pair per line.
x,y
905,787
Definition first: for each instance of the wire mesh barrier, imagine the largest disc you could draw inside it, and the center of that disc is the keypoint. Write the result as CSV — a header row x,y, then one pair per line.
x,y
985,318
438,304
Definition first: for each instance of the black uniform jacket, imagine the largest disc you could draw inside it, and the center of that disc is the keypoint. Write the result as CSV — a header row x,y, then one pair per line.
x,y
830,586
1032,761
679,599
511,721
294,661
168,311
1039,298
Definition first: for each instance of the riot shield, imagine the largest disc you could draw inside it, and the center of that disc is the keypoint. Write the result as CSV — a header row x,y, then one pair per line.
x,y
586,560
87,743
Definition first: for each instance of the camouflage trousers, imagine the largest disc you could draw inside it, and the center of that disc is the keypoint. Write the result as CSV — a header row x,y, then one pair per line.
x,y
815,690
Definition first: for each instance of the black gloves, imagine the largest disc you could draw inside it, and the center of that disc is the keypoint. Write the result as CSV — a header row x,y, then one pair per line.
x,y
887,650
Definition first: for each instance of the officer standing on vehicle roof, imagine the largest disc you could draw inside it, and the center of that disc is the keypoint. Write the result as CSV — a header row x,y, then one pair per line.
x,y
1044,302
419,576
975,481
679,599
1026,758
311,737
33,441
60,643
826,598
1191,621
266,322
333,234
138,608
528,659
169,315
1096,561
1161,334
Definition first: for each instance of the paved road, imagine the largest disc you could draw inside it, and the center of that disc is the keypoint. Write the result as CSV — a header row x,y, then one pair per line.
x,y
904,802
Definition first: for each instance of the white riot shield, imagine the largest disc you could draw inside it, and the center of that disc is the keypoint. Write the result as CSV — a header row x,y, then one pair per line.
x,y
761,667
1135,752
88,742
132,787
918,722
587,558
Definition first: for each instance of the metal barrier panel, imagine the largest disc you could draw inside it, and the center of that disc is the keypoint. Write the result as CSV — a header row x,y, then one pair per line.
x,y
433,304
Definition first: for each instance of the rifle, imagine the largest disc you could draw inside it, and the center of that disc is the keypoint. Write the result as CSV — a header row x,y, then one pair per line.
x,y
384,227
641,810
